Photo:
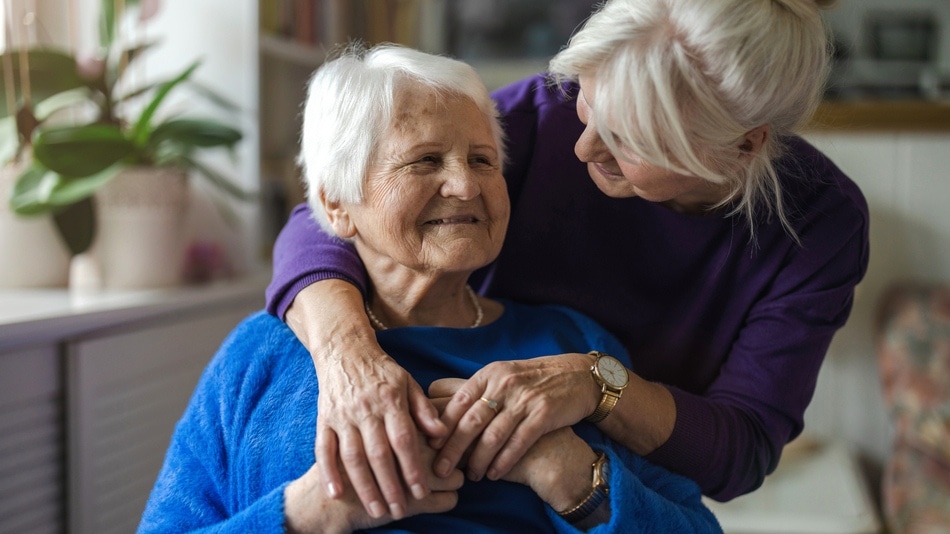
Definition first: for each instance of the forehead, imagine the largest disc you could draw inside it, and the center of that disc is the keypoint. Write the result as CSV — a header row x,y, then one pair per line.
x,y
420,112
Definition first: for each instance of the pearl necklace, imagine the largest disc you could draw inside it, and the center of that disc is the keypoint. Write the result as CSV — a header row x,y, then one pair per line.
x,y
479,313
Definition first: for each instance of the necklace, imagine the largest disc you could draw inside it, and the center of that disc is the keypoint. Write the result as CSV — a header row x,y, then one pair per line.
x,y
479,313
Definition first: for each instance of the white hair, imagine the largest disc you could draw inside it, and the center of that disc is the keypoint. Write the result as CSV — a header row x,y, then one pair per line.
x,y
350,103
681,82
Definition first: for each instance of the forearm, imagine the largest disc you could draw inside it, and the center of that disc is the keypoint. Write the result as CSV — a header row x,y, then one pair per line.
x,y
328,316
643,418
725,449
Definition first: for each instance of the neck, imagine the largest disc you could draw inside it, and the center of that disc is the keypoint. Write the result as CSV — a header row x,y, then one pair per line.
x,y
446,305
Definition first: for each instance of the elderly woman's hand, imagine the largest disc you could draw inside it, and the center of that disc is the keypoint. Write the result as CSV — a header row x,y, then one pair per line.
x,y
558,467
364,421
309,508
369,409
533,397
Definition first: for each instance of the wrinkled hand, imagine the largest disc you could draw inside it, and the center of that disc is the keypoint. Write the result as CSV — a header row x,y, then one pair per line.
x,y
308,507
557,467
370,413
534,397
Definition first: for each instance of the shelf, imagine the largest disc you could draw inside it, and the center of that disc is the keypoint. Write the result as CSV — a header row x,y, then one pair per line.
x,y
882,115
304,55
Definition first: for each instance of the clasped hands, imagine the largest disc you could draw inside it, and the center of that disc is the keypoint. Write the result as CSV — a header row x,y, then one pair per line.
x,y
399,447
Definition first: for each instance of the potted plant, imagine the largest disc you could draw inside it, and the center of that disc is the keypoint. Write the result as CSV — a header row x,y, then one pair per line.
x,y
75,162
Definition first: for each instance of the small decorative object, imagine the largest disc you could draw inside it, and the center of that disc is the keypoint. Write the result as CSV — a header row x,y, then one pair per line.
x,y
84,170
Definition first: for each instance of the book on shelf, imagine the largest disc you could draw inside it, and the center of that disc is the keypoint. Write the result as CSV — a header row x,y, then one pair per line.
x,y
416,23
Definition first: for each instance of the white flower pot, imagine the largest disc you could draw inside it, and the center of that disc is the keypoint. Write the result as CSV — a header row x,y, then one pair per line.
x,y
31,252
139,241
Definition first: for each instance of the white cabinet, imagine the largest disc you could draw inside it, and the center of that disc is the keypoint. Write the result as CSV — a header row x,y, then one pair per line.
x,y
90,392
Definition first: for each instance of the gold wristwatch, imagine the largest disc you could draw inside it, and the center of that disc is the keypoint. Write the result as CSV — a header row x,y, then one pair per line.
x,y
599,490
612,377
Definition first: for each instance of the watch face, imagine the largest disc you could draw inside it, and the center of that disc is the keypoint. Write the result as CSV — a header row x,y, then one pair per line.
x,y
612,371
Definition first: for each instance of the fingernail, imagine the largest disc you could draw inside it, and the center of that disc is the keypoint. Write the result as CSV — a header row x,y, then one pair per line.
x,y
443,468
333,490
376,509
418,491
492,474
396,511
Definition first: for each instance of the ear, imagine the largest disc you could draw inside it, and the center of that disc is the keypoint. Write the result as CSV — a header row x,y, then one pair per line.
x,y
753,141
338,217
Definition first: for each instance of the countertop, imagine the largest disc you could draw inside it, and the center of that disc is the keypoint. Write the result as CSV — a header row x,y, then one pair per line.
x,y
36,315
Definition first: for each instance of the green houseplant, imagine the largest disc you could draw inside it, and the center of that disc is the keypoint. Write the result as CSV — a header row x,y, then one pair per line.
x,y
72,159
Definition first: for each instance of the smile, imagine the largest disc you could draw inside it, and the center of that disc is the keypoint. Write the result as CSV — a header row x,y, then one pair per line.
x,y
454,220
613,176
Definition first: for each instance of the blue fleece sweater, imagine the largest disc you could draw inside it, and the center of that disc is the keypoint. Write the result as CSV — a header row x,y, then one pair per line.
x,y
248,432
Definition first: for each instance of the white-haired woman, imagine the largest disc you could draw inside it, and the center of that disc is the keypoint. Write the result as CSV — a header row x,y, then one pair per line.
x,y
660,188
414,183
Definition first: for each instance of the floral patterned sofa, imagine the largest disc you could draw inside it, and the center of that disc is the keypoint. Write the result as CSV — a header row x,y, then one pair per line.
x,y
913,344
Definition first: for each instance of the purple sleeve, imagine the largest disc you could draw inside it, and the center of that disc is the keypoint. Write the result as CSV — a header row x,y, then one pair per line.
x,y
304,254
730,436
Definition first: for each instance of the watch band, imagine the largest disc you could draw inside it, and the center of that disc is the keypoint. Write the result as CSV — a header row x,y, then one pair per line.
x,y
598,493
608,399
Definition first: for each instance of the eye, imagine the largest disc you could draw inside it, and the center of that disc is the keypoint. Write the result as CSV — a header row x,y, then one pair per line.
x,y
481,161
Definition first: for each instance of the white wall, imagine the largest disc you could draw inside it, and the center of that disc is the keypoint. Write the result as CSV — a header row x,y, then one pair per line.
x,y
904,177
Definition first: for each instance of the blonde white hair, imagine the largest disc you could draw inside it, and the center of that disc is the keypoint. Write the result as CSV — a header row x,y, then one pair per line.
x,y
679,83
350,101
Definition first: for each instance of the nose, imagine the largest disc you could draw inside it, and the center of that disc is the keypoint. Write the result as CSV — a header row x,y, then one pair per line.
x,y
460,182
590,146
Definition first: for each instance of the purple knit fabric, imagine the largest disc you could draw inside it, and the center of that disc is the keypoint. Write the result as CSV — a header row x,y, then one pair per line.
x,y
736,329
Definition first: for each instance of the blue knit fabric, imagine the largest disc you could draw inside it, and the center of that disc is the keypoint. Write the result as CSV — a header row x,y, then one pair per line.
x,y
248,432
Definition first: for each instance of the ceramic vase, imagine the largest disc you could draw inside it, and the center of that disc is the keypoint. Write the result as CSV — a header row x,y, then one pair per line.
x,y
32,254
139,241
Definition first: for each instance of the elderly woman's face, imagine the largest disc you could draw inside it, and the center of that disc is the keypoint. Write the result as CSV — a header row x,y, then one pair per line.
x,y
434,197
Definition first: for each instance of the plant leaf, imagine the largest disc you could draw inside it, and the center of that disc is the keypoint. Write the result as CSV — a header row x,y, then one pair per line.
x,y
39,190
77,225
140,132
190,133
81,150
220,181
31,191
50,72
213,96
69,190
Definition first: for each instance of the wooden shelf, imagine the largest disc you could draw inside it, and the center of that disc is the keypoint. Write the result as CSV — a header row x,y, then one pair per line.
x,y
304,55
882,115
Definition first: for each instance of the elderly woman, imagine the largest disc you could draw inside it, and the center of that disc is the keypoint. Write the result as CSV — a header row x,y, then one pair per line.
x,y
403,156
662,189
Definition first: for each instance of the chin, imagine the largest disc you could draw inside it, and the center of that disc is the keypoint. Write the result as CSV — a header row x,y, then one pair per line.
x,y
615,189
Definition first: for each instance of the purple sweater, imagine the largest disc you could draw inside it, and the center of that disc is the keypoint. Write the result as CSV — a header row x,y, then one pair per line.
x,y
736,330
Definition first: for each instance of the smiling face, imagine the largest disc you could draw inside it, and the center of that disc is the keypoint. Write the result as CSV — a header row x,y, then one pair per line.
x,y
630,176
434,199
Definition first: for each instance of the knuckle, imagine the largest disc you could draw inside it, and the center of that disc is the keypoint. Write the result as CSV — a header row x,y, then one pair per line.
x,y
352,456
493,437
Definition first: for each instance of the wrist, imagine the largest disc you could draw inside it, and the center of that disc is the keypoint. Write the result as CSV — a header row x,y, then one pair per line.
x,y
569,483
595,498
307,507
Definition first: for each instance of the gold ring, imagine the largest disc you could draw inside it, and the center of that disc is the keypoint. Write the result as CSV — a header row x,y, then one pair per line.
x,y
491,404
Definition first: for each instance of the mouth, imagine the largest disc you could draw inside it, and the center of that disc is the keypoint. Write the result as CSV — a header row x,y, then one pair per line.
x,y
608,174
